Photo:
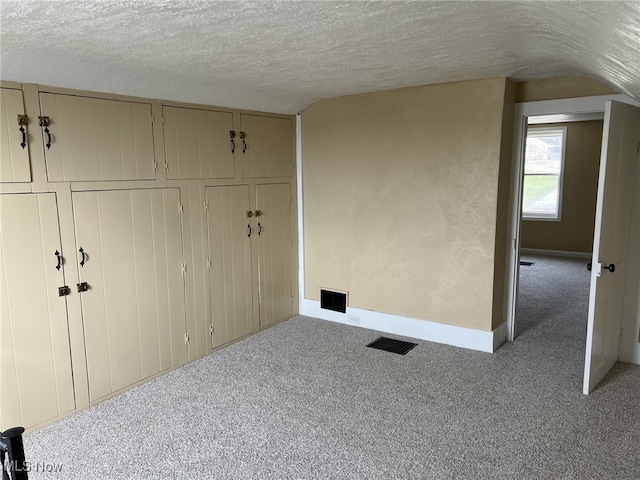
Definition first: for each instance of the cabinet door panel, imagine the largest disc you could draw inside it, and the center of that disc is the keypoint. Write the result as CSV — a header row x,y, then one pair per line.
x,y
134,309
197,143
268,146
274,253
230,254
95,139
35,368
14,160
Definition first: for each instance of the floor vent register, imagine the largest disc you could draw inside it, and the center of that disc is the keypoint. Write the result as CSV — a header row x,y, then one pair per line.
x,y
391,345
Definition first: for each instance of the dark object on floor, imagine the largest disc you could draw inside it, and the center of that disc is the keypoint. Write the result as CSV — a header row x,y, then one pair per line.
x,y
391,345
526,264
12,454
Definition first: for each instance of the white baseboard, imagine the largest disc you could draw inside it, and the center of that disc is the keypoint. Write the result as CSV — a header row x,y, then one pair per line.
x,y
411,327
555,253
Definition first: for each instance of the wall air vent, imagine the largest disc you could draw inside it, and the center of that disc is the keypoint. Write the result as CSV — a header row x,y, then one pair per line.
x,y
333,301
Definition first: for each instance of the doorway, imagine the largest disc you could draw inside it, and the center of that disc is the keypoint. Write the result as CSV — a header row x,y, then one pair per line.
x,y
560,183
589,105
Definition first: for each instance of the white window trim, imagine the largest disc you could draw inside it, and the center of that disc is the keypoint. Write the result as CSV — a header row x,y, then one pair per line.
x,y
542,217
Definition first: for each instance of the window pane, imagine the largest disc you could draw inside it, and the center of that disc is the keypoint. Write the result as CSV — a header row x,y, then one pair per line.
x,y
543,153
540,195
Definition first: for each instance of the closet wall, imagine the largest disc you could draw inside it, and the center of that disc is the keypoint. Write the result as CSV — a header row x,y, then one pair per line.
x,y
136,235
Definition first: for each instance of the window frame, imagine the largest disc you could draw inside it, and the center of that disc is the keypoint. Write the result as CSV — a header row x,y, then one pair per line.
x,y
542,131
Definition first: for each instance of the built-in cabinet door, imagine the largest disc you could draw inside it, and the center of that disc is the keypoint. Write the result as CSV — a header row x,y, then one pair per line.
x,y
35,359
133,307
14,143
273,209
267,146
198,143
230,232
93,139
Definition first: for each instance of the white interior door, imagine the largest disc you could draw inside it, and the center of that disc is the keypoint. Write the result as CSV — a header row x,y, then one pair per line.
x,y
620,156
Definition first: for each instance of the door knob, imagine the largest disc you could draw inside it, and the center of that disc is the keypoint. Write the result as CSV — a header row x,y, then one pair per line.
x,y
589,266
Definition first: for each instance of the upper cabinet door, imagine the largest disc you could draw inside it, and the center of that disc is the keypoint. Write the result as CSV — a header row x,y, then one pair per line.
x,y
14,145
267,146
198,143
92,139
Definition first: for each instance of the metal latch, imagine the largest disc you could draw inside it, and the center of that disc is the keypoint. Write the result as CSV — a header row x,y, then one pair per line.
x,y
83,287
63,291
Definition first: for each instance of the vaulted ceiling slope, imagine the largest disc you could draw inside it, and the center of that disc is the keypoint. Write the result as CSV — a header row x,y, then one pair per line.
x,y
281,56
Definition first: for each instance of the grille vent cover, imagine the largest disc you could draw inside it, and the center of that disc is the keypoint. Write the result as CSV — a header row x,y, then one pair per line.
x,y
392,345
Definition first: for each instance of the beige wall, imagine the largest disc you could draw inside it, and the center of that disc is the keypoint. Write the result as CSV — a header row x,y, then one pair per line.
x,y
582,159
564,87
401,199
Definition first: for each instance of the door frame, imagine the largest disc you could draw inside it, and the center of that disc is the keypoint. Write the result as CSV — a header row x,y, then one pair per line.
x,y
522,112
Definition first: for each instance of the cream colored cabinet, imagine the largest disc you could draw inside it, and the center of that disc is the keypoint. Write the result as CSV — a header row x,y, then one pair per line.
x,y
266,146
14,143
235,230
198,143
35,360
93,139
274,241
229,239
131,263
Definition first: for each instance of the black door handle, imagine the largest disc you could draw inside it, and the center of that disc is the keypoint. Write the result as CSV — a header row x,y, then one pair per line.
x,y
59,257
48,144
83,258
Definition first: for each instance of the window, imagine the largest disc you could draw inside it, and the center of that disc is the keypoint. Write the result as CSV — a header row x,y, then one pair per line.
x,y
543,168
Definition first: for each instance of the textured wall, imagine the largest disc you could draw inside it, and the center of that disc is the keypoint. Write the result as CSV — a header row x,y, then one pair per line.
x,y
400,199
564,87
582,160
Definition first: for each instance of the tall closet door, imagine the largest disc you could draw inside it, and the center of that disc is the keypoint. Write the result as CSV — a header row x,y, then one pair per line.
x,y
35,359
95,139
14,144
134,307
267,148
273,204
230,234
198,144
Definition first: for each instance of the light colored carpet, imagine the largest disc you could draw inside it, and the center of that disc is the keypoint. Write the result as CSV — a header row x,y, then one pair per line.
x,y
306,399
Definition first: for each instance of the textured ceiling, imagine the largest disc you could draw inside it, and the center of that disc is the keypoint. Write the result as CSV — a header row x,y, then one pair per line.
x,y
282,56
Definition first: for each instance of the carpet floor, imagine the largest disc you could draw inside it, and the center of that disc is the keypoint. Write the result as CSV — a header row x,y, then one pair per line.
x,y
306,399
